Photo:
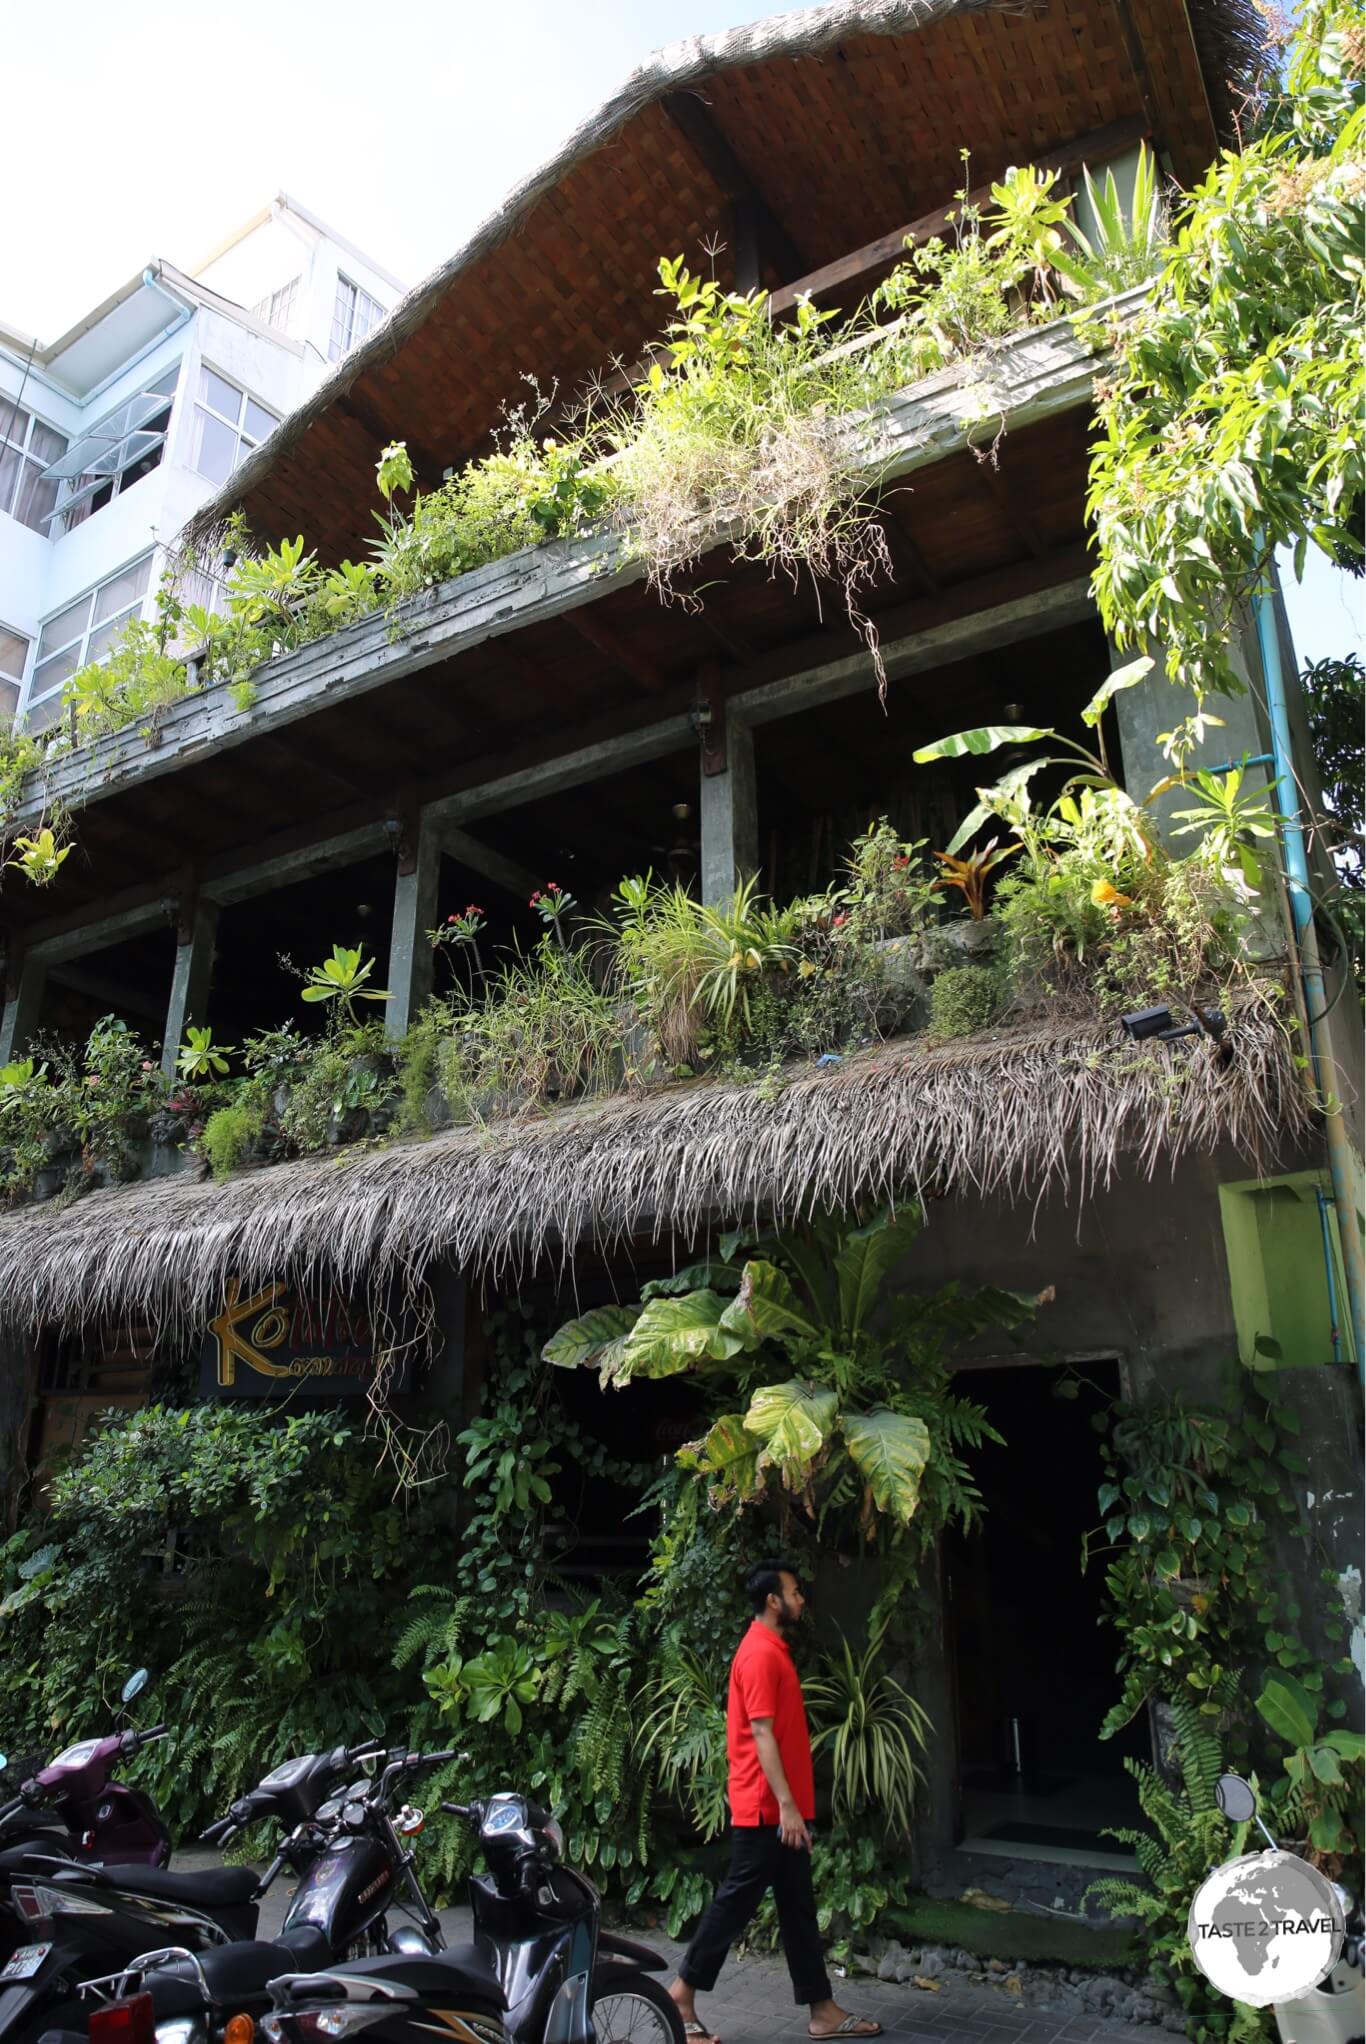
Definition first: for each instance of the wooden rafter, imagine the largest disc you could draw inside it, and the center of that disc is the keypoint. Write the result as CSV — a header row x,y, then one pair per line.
x,y
692,117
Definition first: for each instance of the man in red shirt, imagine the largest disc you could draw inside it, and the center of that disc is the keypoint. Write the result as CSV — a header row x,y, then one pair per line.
x,y
772,1802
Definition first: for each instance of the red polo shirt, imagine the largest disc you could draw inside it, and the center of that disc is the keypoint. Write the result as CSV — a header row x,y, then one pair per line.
x,y
764,1684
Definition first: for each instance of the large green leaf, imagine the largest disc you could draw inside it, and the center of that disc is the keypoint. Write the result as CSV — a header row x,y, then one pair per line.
x,y
722,1277
985,738
581,1342
676,1334
1289,1709
865,1259
1122,678
792,1420
997,800
889,1450
767,1308
729,1455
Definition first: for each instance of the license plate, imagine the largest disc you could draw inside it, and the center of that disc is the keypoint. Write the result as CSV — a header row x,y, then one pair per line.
x,y
23,1964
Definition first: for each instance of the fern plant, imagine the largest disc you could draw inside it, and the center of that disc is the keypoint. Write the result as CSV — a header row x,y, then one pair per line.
x,y
683,1734
1189,1836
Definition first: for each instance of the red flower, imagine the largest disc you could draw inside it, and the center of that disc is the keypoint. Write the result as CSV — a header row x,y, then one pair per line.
x,y
552,886
472,910
839,922
534,899
901,860
452,919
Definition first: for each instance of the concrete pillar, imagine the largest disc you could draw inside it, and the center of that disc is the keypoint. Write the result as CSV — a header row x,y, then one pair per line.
x,y
190,980
729,817
416,890
24,991
1157,705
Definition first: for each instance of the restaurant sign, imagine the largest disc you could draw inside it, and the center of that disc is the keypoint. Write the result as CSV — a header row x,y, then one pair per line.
x,y
272,1341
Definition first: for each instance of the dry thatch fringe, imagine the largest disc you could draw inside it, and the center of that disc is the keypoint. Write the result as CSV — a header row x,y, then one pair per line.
x,y
1014,1113
1230,36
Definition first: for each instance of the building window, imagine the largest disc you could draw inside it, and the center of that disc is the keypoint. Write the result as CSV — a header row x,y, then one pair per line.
x,y
27,448
355,313
277,307
84,631
227,425
13,660
114,453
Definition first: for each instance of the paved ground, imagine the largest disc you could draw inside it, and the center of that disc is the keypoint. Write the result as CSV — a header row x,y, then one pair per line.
x,y
753,1998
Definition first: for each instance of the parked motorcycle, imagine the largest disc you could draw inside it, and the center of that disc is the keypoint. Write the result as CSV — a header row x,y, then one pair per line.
x,y
540,1970
74,1808
355,1867
1334,2012
91,1922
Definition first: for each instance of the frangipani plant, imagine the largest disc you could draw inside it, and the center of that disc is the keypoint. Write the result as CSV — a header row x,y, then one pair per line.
x,y
341,979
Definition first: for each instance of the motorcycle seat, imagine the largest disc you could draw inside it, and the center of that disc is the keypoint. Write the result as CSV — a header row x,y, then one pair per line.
x,y
236,1972
214,1888
431,1975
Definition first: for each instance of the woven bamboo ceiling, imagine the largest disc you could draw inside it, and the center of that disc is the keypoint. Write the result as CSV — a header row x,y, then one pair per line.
x,y
814,132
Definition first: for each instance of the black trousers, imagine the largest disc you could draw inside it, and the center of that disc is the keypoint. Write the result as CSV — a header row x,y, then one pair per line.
x,y
759,1861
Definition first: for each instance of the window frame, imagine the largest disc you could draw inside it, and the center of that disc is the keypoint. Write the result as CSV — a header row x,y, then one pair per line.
x,y
31,697
244,443
75,493
9,407
267,308
8,678
344,322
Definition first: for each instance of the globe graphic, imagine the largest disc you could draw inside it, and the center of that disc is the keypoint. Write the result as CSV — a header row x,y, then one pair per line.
x,y
1265,1928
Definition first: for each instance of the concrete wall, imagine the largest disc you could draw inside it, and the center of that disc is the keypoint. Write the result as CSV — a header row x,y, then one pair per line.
x,y
1141,1274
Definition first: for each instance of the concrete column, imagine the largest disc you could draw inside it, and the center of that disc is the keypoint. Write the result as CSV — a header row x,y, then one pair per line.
x,y
1159,705
729,817
23,1007
416,889
190,980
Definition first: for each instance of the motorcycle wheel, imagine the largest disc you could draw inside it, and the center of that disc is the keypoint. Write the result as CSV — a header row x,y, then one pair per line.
x,y
628,2007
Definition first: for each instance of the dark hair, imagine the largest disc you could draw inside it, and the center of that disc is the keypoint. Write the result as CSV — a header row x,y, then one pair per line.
x,y
765,1580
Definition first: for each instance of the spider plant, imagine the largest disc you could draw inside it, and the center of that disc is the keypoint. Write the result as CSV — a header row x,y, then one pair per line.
x,y
871,1727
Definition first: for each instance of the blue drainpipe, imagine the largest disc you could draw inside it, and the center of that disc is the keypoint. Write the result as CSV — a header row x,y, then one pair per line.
x,y
1311,975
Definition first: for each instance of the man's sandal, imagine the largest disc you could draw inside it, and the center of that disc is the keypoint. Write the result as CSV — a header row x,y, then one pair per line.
x,y
852,2026
698,2033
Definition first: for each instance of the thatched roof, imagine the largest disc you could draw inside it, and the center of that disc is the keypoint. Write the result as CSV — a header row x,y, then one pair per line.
x,y
1062,1105
847,120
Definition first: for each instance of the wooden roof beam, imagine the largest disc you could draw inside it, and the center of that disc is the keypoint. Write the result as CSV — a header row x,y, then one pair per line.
x,y
605,641
1003,495
867,265
752,215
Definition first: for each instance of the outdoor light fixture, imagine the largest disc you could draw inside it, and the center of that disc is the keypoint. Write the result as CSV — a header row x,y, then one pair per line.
x,y
393,830
1148,1023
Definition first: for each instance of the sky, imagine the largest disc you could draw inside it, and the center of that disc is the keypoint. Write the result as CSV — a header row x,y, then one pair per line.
x,y
153,129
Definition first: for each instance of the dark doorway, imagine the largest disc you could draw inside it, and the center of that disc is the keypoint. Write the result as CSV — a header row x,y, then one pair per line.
x,y
1034,1666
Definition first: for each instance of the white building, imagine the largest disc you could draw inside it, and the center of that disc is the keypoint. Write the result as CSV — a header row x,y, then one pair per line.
x,y
112,436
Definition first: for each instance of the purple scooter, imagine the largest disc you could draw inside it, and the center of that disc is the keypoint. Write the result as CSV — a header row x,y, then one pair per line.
x,y
72,1808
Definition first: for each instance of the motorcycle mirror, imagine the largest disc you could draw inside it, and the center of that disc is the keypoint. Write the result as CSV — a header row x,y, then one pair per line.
x,y
1235,1799
4,1762
135,1684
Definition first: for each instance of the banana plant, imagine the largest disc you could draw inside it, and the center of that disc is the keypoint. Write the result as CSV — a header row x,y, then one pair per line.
x,y
1009,798
843,1414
